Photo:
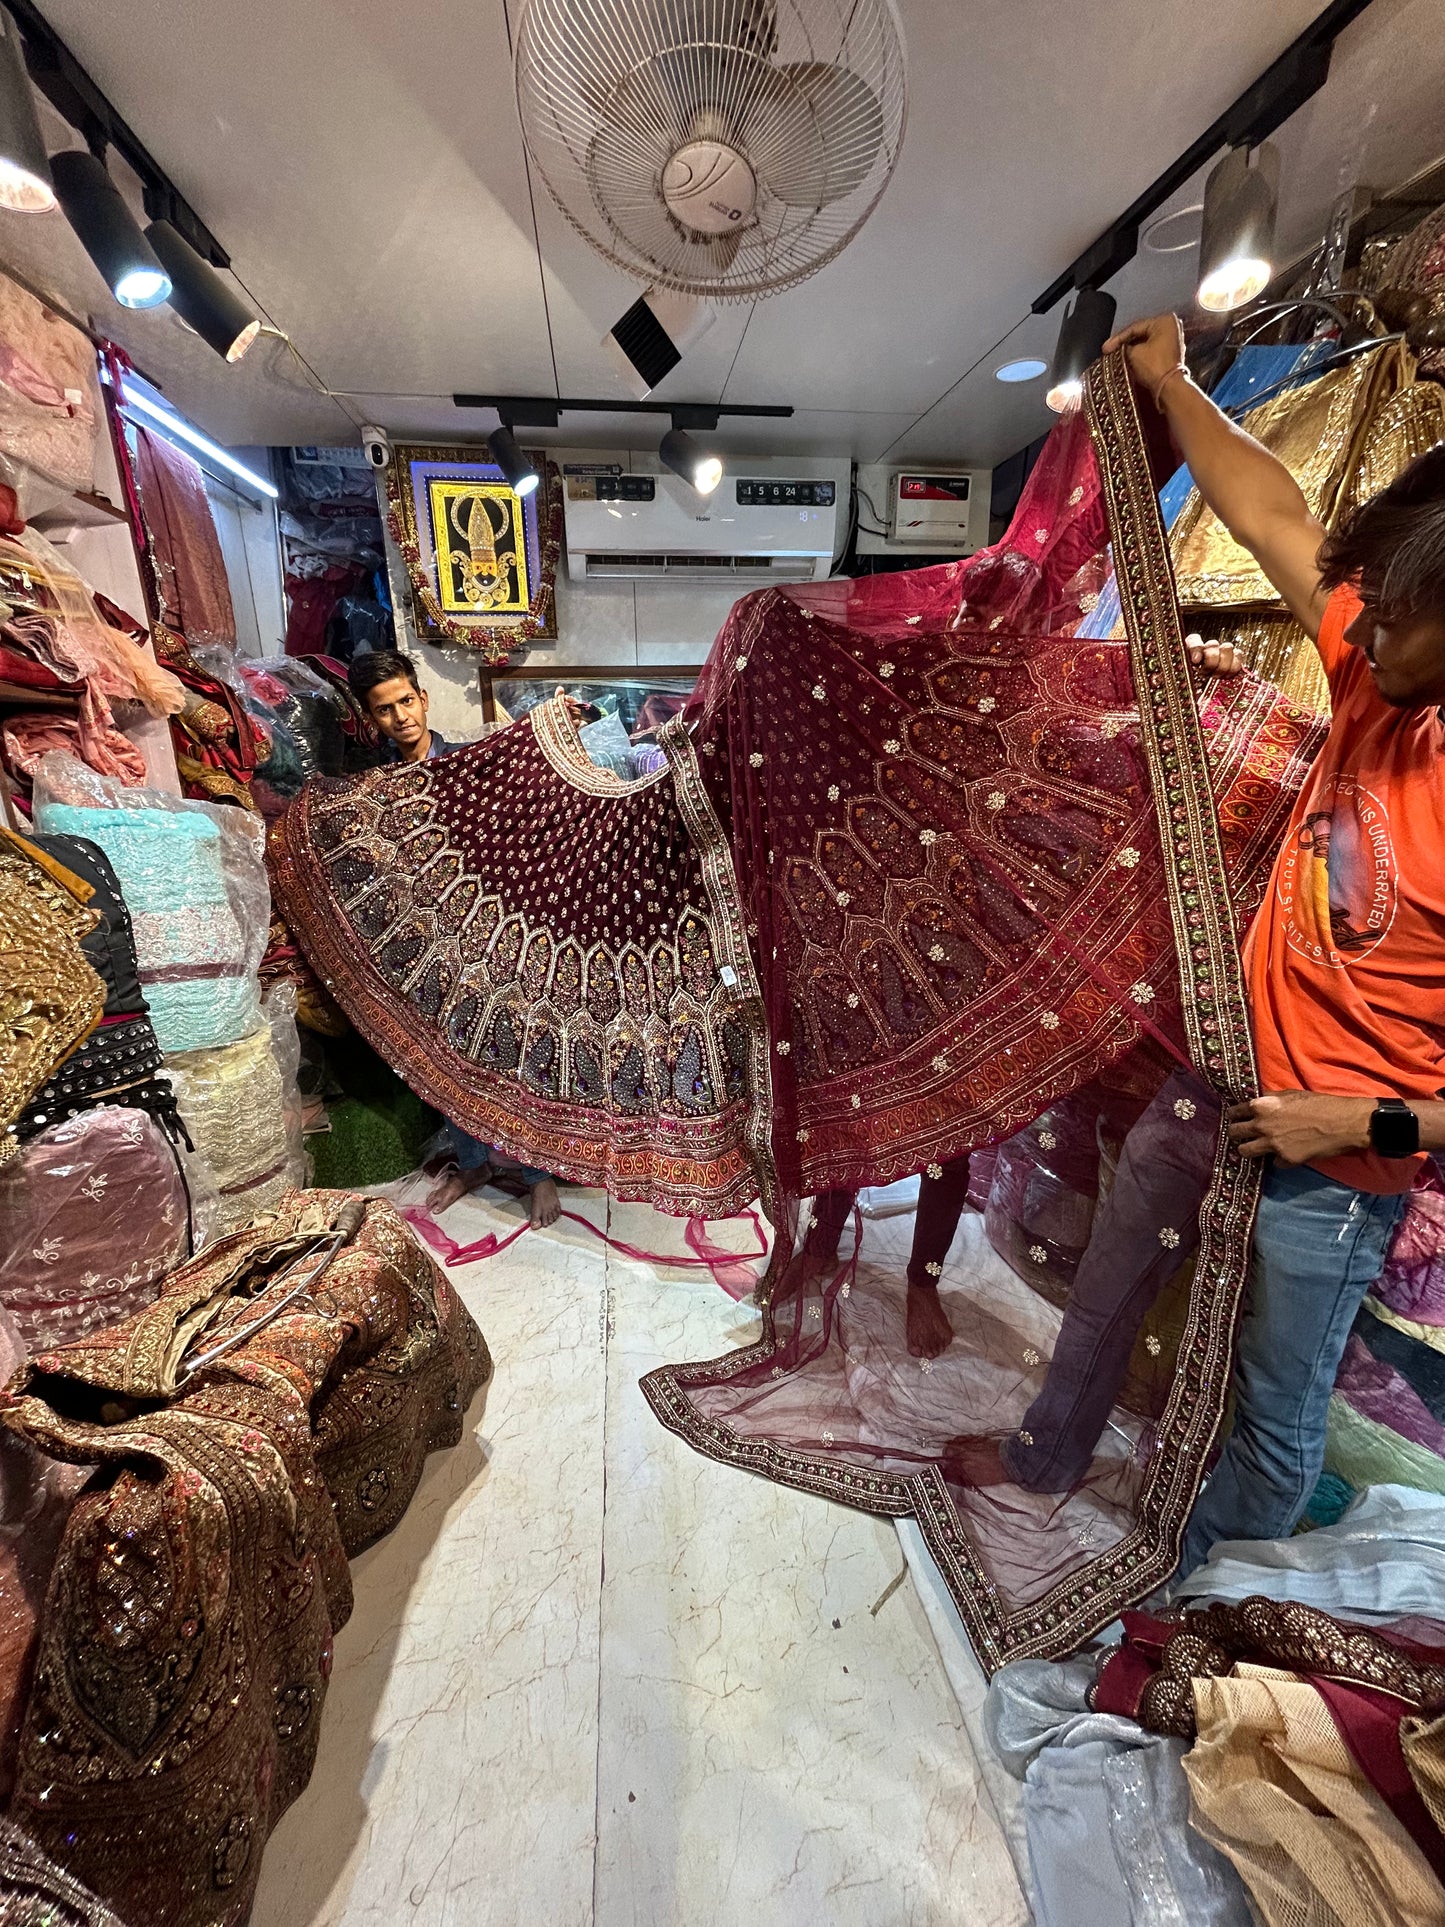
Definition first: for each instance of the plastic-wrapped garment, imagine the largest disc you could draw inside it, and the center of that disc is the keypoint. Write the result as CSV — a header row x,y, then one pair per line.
x,y
120,1062
95,1213
359,624
233,1103
1109,1842
91,739
303,716
194,878
49,398
279,1007
607,746
35,1496
1092,1778
217,743
363,743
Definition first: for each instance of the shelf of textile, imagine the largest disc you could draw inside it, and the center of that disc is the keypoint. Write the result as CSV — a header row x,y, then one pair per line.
x,y
194,881
95,1213
233,1103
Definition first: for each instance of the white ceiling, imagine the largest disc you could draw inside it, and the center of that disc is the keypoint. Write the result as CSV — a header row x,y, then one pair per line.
x,y
362,164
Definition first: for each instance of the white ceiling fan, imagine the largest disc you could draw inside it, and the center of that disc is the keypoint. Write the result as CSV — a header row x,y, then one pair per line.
x,y
723,148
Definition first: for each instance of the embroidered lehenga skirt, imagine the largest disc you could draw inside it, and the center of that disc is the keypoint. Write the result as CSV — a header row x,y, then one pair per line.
x,y
927,877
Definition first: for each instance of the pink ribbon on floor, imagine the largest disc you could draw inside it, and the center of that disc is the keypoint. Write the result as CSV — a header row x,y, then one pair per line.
x,y
731,1269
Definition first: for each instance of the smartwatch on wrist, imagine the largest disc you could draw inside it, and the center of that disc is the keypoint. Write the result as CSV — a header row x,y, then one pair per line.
x,y
1394,1129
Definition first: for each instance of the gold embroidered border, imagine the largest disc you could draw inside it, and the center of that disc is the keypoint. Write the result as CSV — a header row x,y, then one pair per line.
x,y
731,948
558,739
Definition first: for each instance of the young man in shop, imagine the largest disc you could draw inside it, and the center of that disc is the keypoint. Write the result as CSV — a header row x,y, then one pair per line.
x,y
1346,958
386,682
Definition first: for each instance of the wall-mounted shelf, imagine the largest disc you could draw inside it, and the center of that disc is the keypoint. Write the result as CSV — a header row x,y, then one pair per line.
x,y
83,510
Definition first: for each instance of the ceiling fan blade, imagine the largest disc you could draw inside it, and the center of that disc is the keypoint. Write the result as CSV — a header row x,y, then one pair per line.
x,y
812,133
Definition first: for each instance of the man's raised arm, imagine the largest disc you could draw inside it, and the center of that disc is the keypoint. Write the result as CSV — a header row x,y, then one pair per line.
x,y
1251,492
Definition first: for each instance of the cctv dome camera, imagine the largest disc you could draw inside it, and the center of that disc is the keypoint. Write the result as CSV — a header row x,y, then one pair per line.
x,y
377,444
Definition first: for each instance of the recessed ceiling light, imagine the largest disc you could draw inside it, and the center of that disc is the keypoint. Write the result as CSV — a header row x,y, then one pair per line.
x,y
1173,233
1029,368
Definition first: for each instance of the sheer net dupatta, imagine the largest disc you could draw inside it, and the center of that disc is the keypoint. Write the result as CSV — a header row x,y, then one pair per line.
x,y
995,875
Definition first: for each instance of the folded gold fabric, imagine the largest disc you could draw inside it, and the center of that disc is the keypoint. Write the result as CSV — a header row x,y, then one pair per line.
x,y
50,998
1274,1787
1316,431
1423,1744
186,1638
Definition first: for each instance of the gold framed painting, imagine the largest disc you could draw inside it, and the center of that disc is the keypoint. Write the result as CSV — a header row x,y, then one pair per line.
x,y
480,561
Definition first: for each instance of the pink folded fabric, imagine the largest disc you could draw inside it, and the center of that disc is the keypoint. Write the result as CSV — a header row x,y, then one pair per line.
x,y
95,1214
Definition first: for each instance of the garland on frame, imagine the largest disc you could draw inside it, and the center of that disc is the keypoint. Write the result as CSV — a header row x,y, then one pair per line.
x,y
494,643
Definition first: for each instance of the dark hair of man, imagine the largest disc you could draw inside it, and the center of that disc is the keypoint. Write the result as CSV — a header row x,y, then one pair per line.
x,y
378,666
1392,548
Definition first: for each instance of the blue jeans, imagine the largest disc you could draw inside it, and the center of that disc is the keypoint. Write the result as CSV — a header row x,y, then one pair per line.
x,y
1318,1247
471,1154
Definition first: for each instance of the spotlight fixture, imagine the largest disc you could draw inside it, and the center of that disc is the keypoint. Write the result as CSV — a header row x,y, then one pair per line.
x,y
1087,325
25,184
1026,368
1236,243
200,297
108,231
693,463
520,473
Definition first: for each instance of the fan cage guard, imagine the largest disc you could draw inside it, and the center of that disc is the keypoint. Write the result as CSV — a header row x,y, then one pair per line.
x,y
800,103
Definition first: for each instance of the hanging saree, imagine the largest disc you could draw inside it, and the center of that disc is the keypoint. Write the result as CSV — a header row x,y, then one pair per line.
x,y
997,903
192,589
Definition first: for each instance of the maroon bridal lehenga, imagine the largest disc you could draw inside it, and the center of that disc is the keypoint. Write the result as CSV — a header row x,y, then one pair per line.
x,y
928,885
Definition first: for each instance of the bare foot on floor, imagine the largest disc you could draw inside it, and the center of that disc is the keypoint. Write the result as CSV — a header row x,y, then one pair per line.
x,y
453,1184
545,1205
929,1332
975,1461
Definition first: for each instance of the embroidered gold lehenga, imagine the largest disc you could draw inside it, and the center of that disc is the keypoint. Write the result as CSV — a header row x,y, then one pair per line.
x,y
927,879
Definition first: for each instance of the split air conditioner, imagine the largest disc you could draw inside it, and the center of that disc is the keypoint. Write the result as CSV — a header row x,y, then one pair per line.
x,y
763,523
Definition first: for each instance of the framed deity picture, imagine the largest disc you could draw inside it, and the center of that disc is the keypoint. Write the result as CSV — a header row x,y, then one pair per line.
x,y
480,561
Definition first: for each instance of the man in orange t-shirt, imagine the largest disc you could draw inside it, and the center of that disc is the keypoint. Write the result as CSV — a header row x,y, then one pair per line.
x,y
1346,959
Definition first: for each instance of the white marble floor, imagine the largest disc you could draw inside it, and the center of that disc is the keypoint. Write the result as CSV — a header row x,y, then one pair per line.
x,y
594,1678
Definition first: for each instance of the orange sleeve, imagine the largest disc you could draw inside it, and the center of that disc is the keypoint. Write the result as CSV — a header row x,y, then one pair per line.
x,y
1337,655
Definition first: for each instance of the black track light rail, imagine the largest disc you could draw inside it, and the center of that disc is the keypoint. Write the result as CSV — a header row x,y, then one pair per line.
x,y
541,411
1300,72
75,96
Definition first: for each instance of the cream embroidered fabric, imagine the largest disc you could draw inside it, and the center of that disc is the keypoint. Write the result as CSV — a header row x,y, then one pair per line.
x,y
1275,1789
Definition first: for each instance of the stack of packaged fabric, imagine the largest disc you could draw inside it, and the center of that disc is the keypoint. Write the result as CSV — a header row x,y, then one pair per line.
x,y
73,680
194,879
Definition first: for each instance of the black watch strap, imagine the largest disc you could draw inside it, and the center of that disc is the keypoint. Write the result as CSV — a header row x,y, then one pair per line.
x,y
1394,1129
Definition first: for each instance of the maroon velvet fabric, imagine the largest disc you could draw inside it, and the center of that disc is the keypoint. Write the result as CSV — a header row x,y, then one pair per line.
x,y
916,885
